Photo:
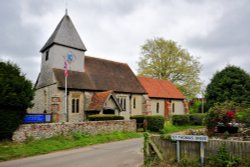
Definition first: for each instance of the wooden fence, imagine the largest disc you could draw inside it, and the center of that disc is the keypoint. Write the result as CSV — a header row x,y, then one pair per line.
x,y
191,150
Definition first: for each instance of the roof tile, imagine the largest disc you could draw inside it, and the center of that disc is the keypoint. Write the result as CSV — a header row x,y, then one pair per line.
x,y
98,100
110,75
65,34
101,75
160,88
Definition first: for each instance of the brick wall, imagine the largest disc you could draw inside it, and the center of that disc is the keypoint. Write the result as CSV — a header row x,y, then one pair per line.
x,y
39,131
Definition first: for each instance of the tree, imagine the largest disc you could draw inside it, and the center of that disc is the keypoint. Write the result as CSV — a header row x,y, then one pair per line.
x,y
164,59
16,95
230,84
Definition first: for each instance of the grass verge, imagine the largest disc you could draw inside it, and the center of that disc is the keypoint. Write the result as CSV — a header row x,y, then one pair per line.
x,y
169,128
10,150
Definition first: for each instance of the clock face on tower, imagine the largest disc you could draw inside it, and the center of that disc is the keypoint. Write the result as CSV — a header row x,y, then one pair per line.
x,y
70,57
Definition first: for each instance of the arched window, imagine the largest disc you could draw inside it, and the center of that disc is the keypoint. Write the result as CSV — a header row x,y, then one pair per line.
x,y
75,105
122,102
134,103
45,97
173,107
157,107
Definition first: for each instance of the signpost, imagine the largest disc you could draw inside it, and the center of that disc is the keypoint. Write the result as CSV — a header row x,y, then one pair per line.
x,y
190,138
194,138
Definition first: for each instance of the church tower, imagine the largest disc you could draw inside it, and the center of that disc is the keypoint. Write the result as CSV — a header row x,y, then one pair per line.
x,y
64,44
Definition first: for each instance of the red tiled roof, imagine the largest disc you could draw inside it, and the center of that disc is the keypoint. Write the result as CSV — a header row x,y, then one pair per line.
x,y
98,100
160,88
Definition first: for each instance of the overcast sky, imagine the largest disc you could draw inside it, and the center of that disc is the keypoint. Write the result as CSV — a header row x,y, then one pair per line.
x,y
218,32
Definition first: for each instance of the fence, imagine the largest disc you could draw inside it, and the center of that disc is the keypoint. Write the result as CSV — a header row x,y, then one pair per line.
x,y
191,150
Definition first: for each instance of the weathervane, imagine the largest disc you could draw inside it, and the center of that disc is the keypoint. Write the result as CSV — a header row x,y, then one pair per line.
x,y
66,7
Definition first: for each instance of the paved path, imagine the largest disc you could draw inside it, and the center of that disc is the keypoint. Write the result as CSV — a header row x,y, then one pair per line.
x,y
127,153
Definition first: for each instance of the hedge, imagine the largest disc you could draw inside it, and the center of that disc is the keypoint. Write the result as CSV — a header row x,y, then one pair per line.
x,y
155,122
139,118
196,119
188,119
104,117
180,120
10,120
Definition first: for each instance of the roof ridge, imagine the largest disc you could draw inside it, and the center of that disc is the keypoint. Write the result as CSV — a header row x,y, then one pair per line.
x,y
105,59
108,91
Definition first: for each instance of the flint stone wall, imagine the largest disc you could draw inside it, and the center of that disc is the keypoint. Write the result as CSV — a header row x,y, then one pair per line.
x,y
47,130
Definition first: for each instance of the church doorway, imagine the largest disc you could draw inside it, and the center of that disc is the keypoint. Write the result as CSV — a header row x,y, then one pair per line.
x,y
109,111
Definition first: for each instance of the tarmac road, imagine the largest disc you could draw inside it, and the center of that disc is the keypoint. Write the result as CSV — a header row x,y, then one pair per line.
x,y
126,153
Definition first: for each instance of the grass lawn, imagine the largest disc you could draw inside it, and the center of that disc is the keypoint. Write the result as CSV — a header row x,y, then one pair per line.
x,y
169,128
10,150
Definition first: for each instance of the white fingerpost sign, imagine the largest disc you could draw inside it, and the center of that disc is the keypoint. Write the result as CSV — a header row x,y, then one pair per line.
x,y
190,138
194,138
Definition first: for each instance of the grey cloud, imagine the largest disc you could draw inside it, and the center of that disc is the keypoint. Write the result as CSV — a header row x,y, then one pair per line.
x,y
16,38
231,31
119,7
117,28
228,42
37,8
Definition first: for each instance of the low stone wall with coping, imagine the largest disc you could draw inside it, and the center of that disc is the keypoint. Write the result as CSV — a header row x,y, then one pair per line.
x,y
47,130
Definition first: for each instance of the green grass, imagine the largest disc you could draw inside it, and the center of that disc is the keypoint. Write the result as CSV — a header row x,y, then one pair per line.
x,y
169,128
10,150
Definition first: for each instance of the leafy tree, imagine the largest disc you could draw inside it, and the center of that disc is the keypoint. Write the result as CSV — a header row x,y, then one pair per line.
x,y
16,95
244,116
197,106
164,59
230,84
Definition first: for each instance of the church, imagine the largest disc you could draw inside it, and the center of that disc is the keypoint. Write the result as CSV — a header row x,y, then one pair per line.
x,y
94,85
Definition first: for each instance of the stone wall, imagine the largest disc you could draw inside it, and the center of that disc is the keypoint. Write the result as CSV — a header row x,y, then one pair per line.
x,y
40,131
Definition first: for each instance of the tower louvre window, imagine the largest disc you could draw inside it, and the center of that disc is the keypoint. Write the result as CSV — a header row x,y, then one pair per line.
x,y
47,55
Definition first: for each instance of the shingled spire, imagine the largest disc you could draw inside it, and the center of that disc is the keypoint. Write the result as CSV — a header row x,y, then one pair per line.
x,y
65,34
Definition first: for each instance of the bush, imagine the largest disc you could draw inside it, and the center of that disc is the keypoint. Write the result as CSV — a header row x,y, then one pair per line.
x,y
180,120
9,122
15,97
196,119
155,122
195,107
223,158
139,121
188,163
102,117
139,118
244,116
219,114
230,84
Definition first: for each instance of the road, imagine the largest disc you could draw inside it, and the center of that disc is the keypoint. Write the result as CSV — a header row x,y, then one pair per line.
x,y
127,153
